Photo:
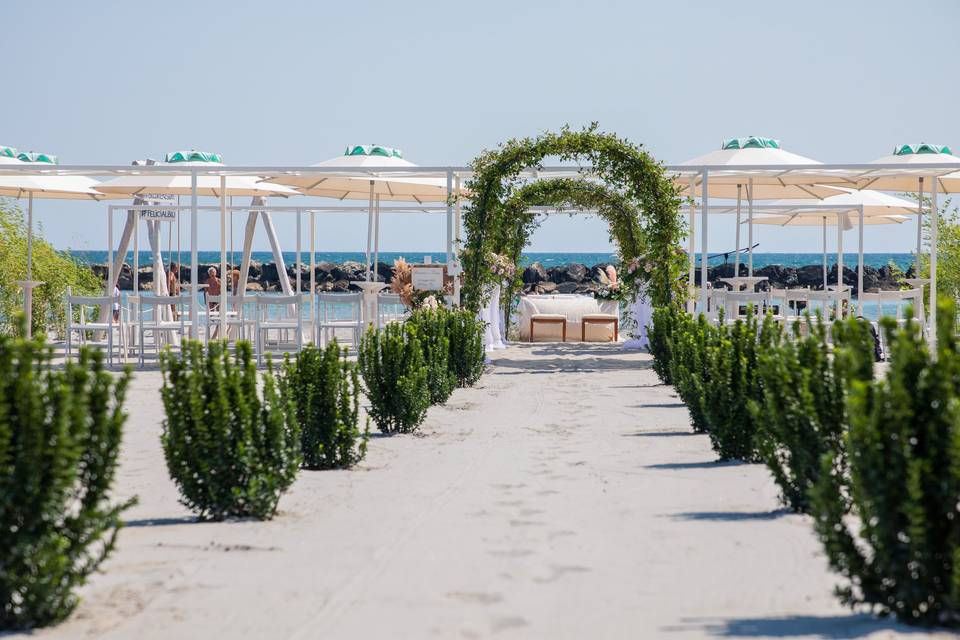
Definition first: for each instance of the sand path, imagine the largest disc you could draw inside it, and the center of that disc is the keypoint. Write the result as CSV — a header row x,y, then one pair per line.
x,y
563,497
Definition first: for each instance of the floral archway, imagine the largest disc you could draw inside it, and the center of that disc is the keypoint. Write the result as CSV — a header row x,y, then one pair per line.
x,y
632,193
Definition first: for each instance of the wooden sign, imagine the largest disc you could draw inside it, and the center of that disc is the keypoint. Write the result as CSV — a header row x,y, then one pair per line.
x,y
427,278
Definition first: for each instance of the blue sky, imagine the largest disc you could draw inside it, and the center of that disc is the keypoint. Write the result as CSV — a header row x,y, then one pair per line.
x,y
294,82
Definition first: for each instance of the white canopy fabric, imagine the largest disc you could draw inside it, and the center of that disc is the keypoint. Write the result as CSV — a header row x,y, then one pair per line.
x,y
405,189
46,187
754,185
179,185
907,155
873,202
372,187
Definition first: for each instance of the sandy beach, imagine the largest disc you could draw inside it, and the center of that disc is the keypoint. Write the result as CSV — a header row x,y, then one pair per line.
x,y
562,497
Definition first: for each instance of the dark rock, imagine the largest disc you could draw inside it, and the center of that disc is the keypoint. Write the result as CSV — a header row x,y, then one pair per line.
x,y
546,287
811,276
384,271
566,287
573,272
534,273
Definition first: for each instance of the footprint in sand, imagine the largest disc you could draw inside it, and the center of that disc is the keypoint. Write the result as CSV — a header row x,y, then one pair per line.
x,y
558,571
478,597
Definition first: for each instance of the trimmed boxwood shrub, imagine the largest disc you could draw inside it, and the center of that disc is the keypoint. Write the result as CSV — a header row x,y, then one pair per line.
x,y
60,434
660,337
732,382
325,389
802,414
689,367
432,327
467,356
231,450
395,377
899,549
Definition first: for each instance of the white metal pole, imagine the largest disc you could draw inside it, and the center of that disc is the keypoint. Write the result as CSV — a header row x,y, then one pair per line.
x,y
457,235
28,284
691,248
299,286
369,231
313,275
449,219
194,275
224,277
376,241
919,227
934,221
824,253
704,207
860,262
750,230
840,264
736,252
136,256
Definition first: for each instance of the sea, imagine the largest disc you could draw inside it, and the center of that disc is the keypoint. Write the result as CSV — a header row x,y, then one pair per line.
x,y
902,260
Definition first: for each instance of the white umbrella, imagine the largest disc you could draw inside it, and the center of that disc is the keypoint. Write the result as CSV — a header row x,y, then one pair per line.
x,y
759,185
374,186
207,185
40,186
840,219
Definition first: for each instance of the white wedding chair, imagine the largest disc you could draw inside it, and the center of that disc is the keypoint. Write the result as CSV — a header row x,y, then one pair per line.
x,y
153,321
89,333
340,311
237,325
390,309
279,324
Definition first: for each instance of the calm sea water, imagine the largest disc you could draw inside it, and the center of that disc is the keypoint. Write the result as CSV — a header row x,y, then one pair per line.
x,y
903,260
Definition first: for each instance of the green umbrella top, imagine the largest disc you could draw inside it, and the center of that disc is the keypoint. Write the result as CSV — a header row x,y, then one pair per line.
x,y
193,156
36,156
8,152
373,150
923,147
750,142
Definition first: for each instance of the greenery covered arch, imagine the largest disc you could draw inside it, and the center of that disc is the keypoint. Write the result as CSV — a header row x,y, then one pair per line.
x,y
634,196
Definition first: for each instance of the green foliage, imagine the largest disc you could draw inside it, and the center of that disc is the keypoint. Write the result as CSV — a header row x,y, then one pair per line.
x,y
60,433
801,414
660,336
497,220
432,327
689,365
900,552
57,270
231,451
395,377
467,356
732,382
325,389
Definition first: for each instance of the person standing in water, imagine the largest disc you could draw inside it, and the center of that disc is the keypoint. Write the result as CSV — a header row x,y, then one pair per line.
x,y
173,285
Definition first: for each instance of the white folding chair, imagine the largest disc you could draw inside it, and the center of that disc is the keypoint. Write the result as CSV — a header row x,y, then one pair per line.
x,y
737,304
161,317
390,309
341,311
235,316
282,330
88,332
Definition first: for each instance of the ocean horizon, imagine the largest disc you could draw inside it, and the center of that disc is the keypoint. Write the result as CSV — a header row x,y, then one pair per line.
x,y
547,259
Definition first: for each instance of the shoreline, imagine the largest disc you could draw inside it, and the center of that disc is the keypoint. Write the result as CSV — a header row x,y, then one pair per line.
x,y
573,277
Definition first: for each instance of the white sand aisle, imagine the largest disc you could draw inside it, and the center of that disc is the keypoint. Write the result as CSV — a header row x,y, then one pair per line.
x,y
563,497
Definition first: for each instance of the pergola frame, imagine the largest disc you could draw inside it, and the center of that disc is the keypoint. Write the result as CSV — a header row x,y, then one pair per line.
x,y
850,175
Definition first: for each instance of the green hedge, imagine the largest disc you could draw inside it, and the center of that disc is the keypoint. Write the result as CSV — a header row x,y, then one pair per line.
x,y
231,450
325,389
60,434
802,413
395,377
900,551
432,327
467,355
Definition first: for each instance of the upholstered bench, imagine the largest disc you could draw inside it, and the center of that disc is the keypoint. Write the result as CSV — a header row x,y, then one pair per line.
x,y
549,318
599,318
